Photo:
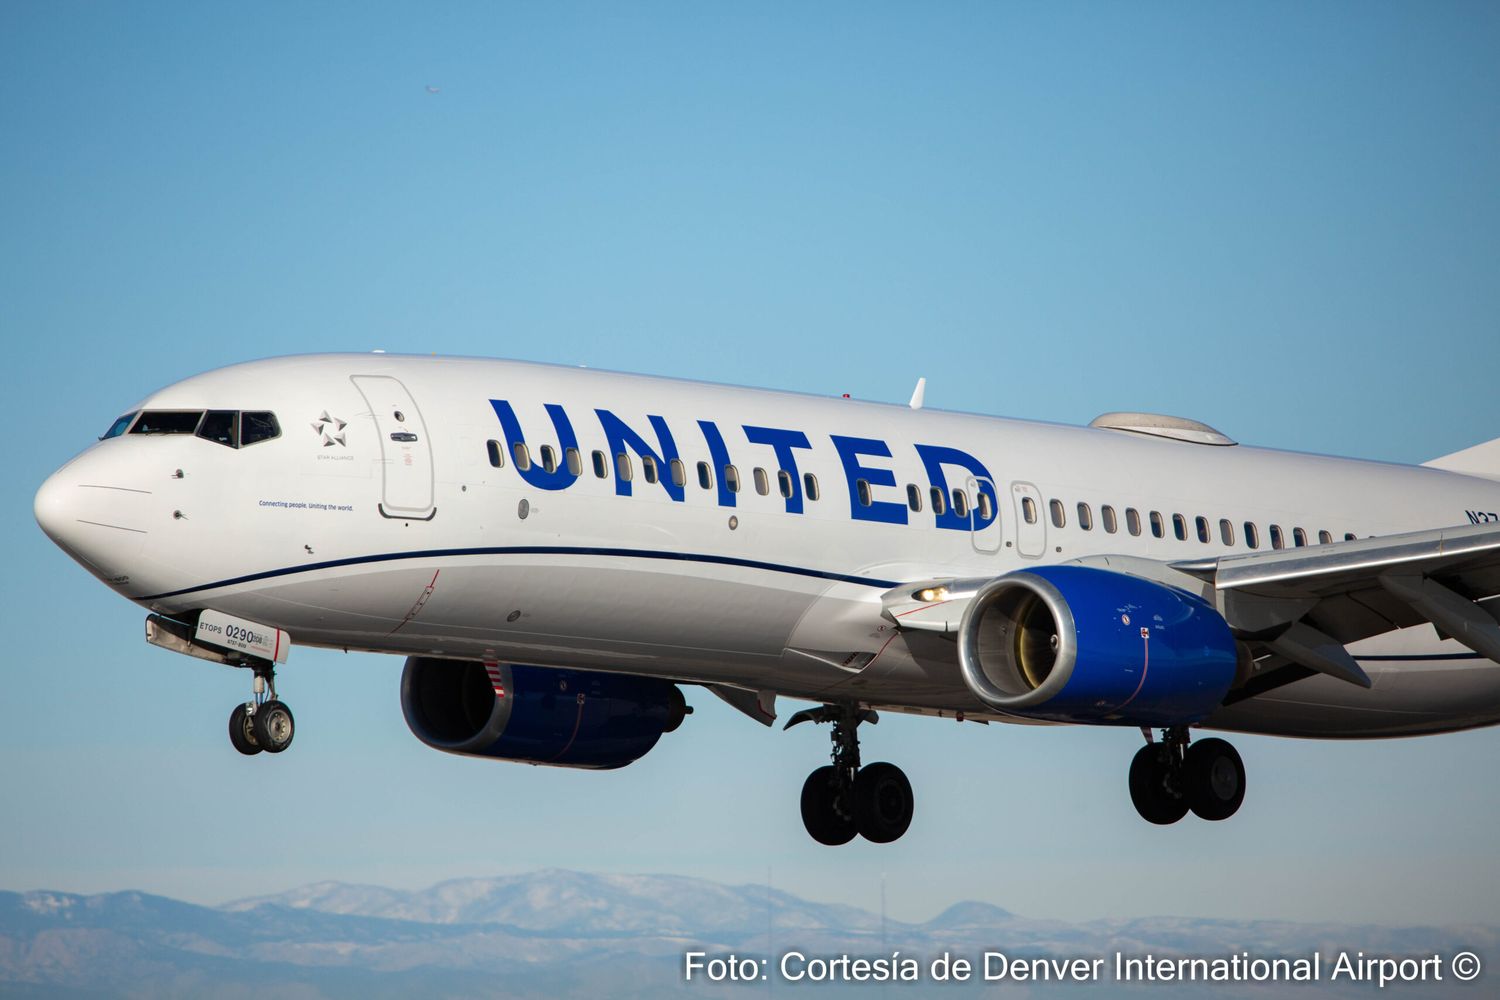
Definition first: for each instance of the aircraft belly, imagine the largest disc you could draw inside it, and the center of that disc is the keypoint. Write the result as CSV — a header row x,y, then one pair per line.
x,y
717,623
800,637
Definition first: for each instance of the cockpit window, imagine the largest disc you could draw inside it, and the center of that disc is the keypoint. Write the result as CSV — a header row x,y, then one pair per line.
x,y
220,427
258,425
231,428
167,422
118,427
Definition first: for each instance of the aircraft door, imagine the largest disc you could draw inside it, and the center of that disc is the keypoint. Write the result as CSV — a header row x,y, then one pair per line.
x,y
405,448
1031,527
984,514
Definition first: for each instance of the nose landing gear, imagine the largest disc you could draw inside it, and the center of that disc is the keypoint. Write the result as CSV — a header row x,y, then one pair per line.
x,y
842,799
263,722
1169,778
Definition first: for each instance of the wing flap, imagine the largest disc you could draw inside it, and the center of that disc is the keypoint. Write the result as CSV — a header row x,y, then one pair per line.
x,y
1353,616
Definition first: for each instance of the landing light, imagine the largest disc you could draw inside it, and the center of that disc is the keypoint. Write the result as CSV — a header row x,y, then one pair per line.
x,y
931,595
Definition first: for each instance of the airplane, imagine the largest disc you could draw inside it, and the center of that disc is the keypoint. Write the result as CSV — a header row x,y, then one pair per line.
x,y
557,551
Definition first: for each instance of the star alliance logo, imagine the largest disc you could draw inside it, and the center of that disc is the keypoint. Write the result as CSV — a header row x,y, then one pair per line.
x,y
330,429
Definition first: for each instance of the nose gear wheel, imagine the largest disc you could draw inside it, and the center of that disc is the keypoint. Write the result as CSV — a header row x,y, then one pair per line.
x,y
264,723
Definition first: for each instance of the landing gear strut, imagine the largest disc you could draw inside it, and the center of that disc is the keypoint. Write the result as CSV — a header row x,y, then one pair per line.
x,y
842,798
263,722
1171,777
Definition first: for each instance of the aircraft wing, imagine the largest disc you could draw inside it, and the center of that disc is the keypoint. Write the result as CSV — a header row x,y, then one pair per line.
x,y
1353,590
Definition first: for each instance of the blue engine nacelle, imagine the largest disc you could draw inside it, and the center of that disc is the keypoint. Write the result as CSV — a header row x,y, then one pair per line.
x,y
563,718
1076,644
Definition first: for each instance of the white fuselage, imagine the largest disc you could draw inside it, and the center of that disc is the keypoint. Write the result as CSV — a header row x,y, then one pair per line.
x,y
347,536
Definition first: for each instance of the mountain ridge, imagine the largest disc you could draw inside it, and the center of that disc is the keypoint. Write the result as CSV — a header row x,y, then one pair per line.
x,y
581,900
560,933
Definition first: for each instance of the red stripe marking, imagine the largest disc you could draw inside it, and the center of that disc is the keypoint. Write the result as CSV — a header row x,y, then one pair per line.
x,y
1145,666
892,639
417,607
924,607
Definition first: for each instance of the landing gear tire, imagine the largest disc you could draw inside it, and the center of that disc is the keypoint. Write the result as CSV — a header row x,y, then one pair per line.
x,y
882,802
1214,777
273,727
824,809
843,799
241,732
1154,785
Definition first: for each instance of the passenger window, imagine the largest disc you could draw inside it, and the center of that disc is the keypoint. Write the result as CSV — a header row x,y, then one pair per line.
x,y
862,488
522,456
575,462
1299,537
784,481
1325,538
1226,531
986,507
497,454
623,468
1028,510
1179,527
913,497
1107,515
939,502
732,478
648,468
810,486
167,422
1058,516
1158,526
1085,517
960,503
679,473
1133,520
1252,535
1202,525
257,426
763,482
219,427
705,476
549,459
1277,542
118,427
1348,536
601,465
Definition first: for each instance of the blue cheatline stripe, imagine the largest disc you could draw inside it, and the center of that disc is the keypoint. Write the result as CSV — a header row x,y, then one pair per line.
x,y
525,550
1397,658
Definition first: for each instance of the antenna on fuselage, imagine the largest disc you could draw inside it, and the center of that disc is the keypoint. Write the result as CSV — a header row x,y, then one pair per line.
x,y
918,393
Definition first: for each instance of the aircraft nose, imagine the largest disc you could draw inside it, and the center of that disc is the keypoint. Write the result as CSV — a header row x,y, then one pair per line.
x,y
52,505
101,525
56,505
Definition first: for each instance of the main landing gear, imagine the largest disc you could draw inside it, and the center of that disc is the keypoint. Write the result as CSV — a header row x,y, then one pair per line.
x,y
263,722
1171,777
842,798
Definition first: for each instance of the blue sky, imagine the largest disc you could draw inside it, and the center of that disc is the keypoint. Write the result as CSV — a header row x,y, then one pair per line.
x,y
1279,218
